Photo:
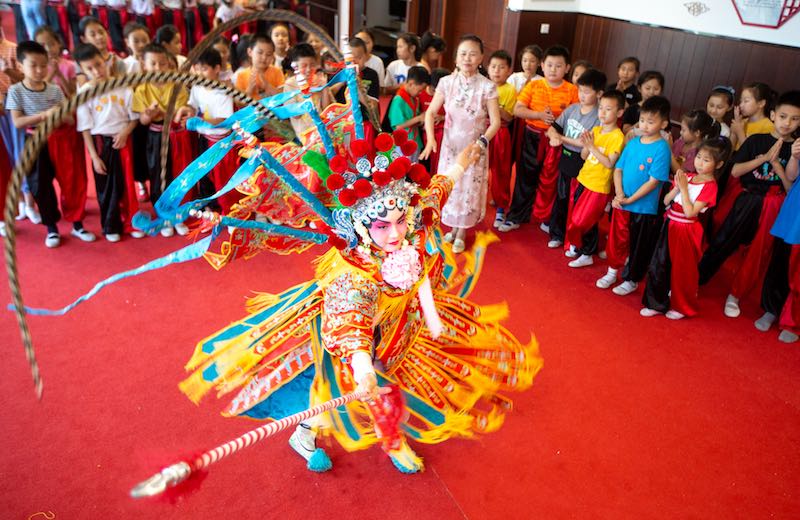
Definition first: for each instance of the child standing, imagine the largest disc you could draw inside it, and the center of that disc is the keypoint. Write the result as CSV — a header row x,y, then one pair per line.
x,y
106,122
432,46
473,114
367,35
214,106
261,79
718,105
749,118
136,38
540,103
404,110
279,33
169,37
408,55
530,58
781,293
60,69
627,70
696,126
92,31
566,132
651,83
307,63
150,102
752,114
578,68
760,165
223,47
30,102
500,147
438,118
601,148
672,275
638,175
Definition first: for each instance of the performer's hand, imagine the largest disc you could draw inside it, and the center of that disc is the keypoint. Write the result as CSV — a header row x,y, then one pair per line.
x,y
430,147
796,149
469,155
774,152
369,383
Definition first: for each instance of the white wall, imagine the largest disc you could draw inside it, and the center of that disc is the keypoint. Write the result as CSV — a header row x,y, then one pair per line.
x,y
720,19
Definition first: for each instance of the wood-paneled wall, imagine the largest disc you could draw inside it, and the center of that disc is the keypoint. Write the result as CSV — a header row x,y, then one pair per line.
x,y
691,63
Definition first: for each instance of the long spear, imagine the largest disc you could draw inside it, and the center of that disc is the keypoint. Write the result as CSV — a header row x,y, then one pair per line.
x,y
176,473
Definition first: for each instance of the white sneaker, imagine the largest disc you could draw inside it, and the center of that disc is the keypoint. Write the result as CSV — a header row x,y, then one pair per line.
x,y
303,441
83,234
582,261
33,215
137,234
52,240
2,229
448,237
602,255
732,309
787,336
544,227
167,231
182,229
765,322
507,226
674,315
625,288
113,237
458,246
553,244
20,212
648,313
571,253
607,280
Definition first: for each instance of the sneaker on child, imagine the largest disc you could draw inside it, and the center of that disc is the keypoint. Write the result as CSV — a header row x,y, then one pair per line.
x,y
571,252
607,280
732,309
83,234
137,234
52,240
625,288
167,231
499,217
553,244
33,215
507,226
113,237
765,322
648,313
182,229
544,227
582,261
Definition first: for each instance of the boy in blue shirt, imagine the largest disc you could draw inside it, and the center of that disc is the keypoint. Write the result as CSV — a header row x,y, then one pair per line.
x,y
639,175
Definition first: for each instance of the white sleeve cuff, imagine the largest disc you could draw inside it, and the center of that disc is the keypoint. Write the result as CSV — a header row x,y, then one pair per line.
x,y
361,363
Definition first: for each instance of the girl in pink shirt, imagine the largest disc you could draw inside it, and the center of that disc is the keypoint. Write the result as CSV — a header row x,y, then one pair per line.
x,y
60,69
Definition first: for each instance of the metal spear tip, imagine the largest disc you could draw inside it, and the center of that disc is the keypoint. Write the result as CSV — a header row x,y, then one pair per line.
x,y
167,477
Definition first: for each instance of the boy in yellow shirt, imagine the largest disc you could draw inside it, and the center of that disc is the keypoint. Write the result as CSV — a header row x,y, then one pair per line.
x,y
601,149
150,102
500,145
261,79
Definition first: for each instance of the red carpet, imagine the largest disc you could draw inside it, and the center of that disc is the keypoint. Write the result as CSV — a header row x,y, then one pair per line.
x,y
630,418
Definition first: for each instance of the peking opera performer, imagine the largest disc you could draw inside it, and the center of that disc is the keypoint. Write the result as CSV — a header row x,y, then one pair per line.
x,y
387,306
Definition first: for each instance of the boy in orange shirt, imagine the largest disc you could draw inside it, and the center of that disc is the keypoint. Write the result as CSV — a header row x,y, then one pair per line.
x,y
540,102
261,79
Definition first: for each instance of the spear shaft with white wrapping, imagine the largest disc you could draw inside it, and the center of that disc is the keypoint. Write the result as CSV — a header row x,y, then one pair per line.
x,y
180,471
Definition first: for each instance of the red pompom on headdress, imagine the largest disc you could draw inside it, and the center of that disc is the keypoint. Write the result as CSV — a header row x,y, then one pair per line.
x,y
338,164
384,142
347,197
359,147
334,182
363,188
382,178
409,147
400,137
417,173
